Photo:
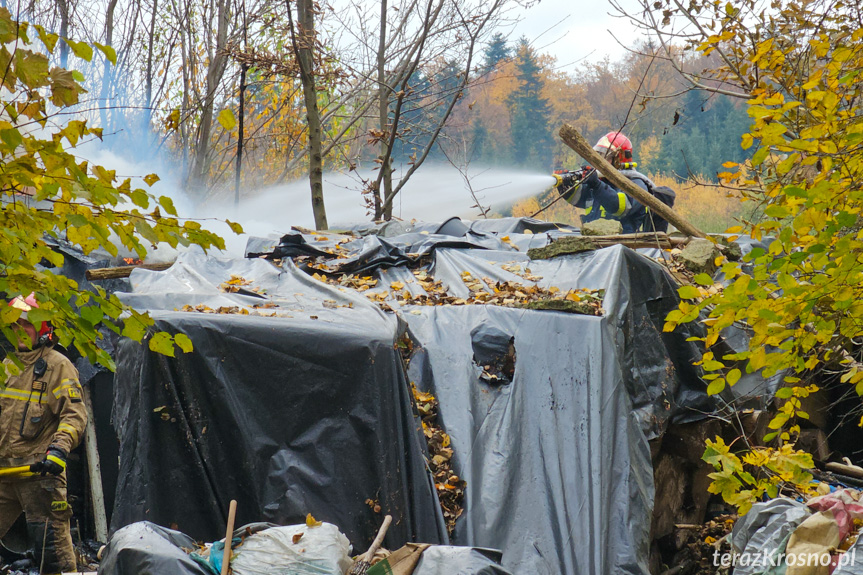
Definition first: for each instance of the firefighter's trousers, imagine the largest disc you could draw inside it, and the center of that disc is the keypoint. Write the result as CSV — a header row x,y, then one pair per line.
x,y
43,502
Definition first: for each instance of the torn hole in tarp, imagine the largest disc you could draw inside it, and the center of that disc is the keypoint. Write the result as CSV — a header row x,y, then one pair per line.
x,y
494,353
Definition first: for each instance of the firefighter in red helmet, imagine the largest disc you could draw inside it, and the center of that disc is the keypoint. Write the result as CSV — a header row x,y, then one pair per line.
x,y
600,199
42,418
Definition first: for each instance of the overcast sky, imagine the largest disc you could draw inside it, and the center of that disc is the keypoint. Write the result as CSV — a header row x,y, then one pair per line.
x,y
573,30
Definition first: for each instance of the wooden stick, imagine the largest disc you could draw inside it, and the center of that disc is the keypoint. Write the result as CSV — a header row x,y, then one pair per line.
x,y
123,271
576,141
849,470
94,469
379,539
229,536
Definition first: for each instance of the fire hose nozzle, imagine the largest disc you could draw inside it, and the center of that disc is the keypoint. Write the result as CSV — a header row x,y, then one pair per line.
x,y
558,180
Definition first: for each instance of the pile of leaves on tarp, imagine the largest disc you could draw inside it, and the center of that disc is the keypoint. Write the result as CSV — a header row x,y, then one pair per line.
x,y
233,309
482,291
450,487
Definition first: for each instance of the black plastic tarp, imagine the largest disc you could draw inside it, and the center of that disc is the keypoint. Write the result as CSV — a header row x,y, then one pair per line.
x,y
308,412
279,412
147,549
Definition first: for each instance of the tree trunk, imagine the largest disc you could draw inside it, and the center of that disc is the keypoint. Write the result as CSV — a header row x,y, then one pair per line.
x,y
304,43
383,121
240,122
148,81
63,8
108,72
215,70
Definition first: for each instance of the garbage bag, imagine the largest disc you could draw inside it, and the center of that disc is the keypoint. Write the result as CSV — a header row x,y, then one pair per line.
x,y
144,548
294,550
762,534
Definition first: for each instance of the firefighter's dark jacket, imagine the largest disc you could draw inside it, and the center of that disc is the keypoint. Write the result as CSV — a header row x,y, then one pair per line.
x,y
36,413
600,199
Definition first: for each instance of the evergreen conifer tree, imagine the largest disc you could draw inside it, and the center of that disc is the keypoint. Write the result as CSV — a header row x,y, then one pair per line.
x,y
532,143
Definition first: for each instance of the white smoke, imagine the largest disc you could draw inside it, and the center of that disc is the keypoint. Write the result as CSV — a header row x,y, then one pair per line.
x,y
434,193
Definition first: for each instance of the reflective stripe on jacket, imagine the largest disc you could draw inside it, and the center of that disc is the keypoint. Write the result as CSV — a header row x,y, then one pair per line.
x,y
38,412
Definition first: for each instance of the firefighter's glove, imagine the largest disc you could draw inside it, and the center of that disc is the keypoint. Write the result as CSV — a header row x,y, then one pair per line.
x,y
53,463
589,177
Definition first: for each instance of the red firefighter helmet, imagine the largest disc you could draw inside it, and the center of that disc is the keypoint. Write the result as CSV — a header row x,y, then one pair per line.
x,y
614,145
25,304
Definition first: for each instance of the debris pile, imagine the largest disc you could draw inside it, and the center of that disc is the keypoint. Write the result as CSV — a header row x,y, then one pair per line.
x,y
482,291
450,487
703,544
236,310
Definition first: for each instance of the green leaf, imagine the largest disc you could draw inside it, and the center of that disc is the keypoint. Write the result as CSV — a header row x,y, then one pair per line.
x,y
47,38
795,191
168,204
783,393
80,49
109,52
92,314
776,211
778,421
235,227
716,386
12,138
688,292
140,198
31,68
768,314
733,376
183,341
227,120
703,279
134,329
759,156
163,343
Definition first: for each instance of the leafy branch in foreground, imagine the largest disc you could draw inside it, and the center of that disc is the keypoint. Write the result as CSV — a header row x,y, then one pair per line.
x,y
741,481
50,197
801,299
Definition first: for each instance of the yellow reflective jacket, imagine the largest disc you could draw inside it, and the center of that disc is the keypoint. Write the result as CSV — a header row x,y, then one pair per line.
x,y
36,412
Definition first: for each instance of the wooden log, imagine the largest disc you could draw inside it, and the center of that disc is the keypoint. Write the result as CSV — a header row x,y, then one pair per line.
x,y
123,271
847,470
572,138
94,469
640,240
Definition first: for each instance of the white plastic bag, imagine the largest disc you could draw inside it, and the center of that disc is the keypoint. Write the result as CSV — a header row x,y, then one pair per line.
x,y
322,550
